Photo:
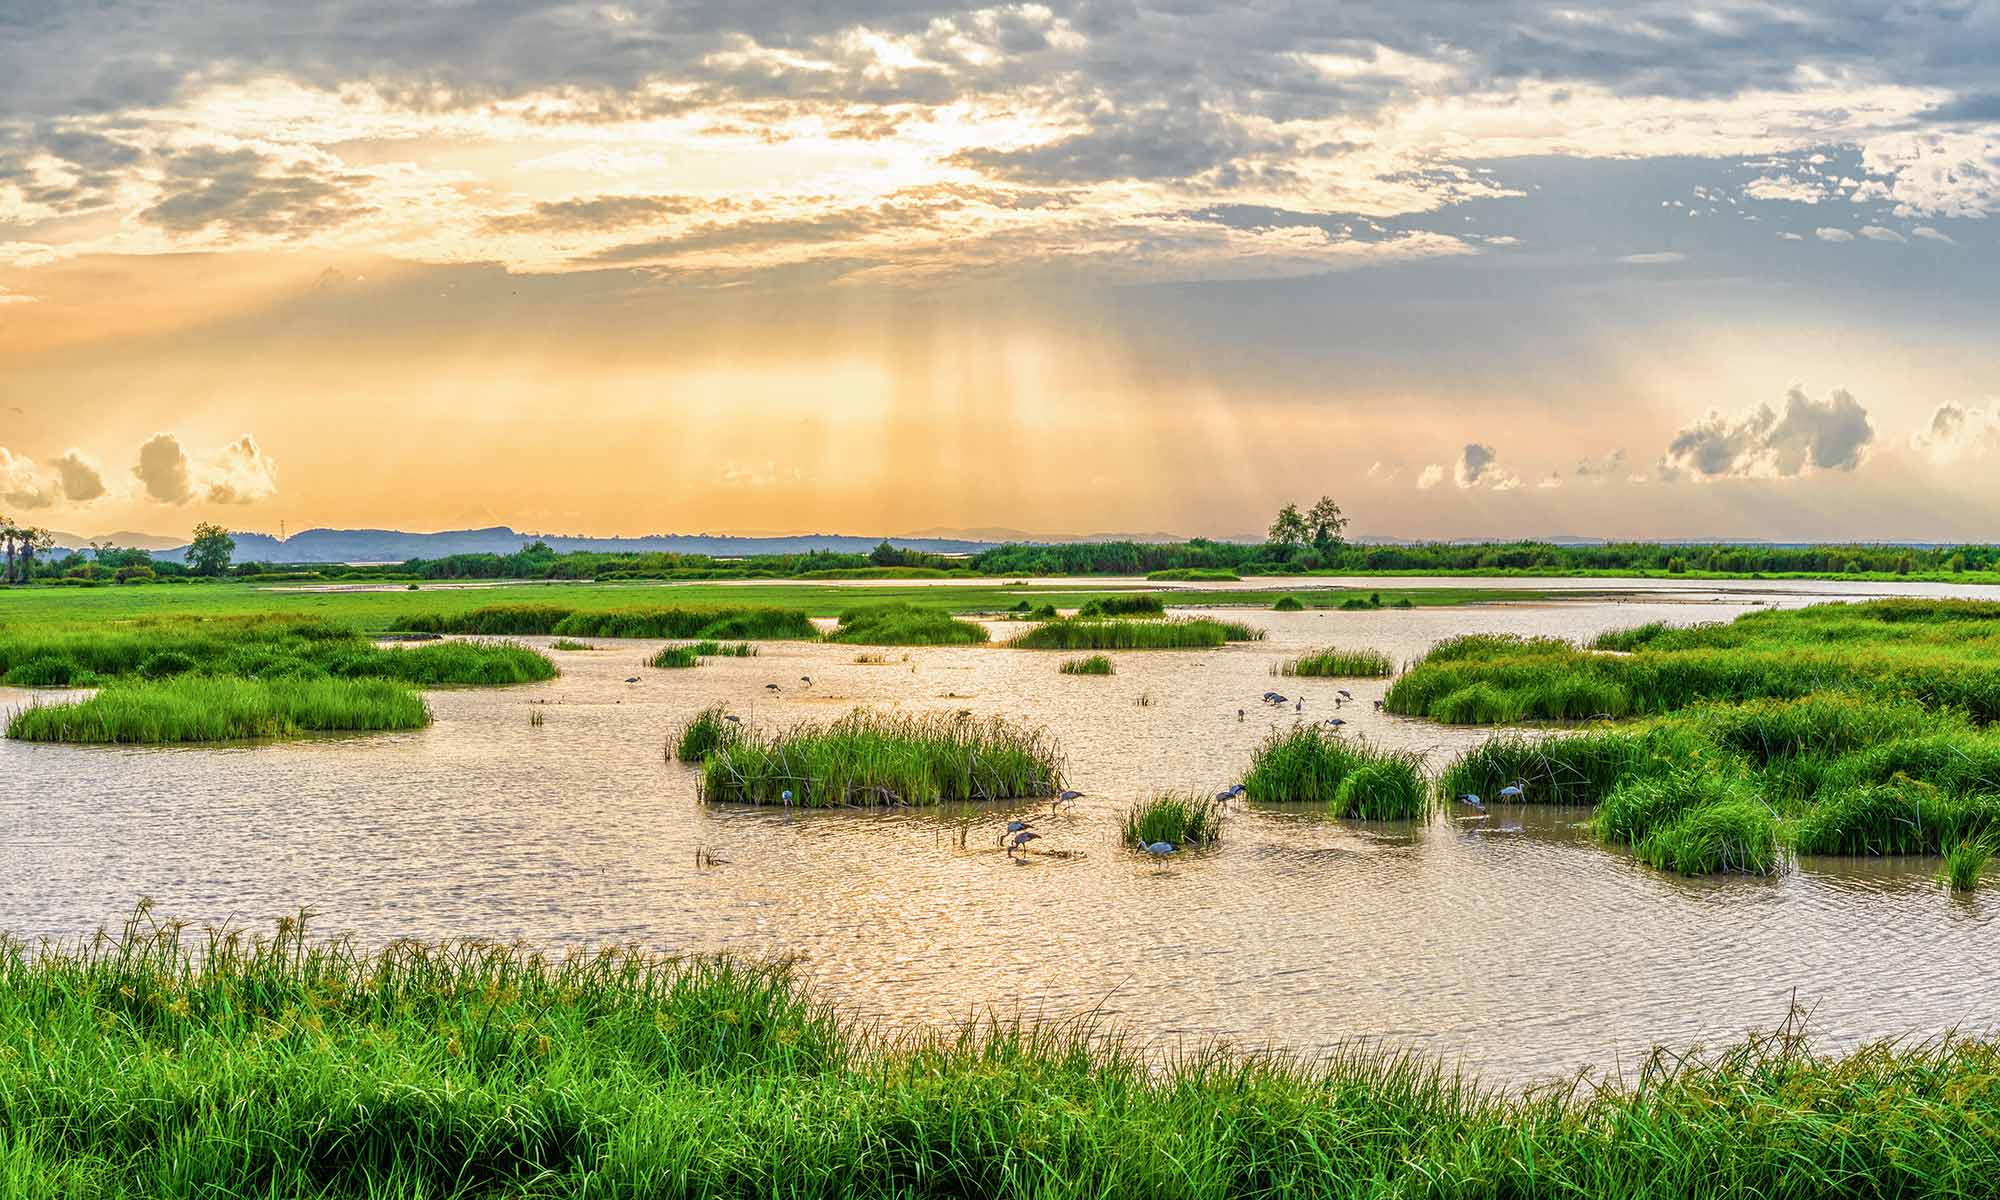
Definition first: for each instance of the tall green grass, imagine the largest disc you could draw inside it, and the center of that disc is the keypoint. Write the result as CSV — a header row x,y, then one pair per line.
x,y
672,658
1141,605
1311,764
1333,661
1185,633
1287,604
706,732
869,758
176,1065
720,623
1095,664
1965,862
905,625
1181,818
196,709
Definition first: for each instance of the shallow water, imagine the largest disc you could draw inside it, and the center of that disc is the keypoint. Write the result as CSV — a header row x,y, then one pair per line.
x,y
1514,945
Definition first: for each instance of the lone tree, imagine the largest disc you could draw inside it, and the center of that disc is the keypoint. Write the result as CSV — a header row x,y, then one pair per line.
x,y
209,553
1324,523
1290,528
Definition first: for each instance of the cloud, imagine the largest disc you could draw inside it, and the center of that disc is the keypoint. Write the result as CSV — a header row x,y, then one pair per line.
x,y
24,484
1877,233
11,297
1430,477
1383,471
1826,233
1784,187
1810,435
1478,466
163,469
1654,257
1958,431
241,192
240,473
1599,468
1932,235
80,479
1550,481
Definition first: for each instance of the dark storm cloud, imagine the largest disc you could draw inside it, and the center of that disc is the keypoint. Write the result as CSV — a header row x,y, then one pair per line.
x,y
246,192
1809,435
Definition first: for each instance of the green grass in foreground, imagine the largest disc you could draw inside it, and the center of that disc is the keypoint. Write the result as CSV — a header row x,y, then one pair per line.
x,y
1965,862
1183,819
1311,764
160,1064
1095,664
194,709
1333,661
1183,633
869,758
902,624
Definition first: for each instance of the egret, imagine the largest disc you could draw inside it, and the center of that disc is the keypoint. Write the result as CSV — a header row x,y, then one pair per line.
x,y
1021,841
1471,801
1512,791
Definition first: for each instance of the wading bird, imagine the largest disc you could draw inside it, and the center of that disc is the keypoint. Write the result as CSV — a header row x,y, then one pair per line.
x,y
1230,793
806,679
1471,801
632,679
1300,706
1336,722
771,687
732,717
1343,693
1015,827
1160,850
1239,714
1068,797
1512,791
1021,841
1378,706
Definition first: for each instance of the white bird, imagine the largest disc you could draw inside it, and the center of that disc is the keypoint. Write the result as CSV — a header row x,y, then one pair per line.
x,y
1512,792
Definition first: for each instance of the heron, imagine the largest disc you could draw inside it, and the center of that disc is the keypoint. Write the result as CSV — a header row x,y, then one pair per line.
x,y
1300,706
1229,793
1159,850
1343,693
631,679
1239,714
1021,841
1512,791
786,795
772,687
1272,698
1014,827
1336,722
732,718
1470,801
806,679
1068,797
1277,699
1378,706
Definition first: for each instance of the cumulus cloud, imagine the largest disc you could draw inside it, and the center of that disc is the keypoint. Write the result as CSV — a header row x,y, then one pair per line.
x,y
25,483
1958,431
1932,235
1430,477
163,469
1654,258
1827,233
1809,435
238,473
1784,187
1479,466
1877,233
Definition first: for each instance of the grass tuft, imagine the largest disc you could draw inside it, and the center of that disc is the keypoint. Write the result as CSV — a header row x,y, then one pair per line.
x,y
1311,764
705,733
1096,664
905,625
188,709
1186,633
1332,661
869,758
1182,818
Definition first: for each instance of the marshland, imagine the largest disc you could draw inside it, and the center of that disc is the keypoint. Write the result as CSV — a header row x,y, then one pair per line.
x,y
1675,879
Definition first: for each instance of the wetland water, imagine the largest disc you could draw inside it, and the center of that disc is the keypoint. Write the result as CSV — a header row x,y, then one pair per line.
x,y
1514,945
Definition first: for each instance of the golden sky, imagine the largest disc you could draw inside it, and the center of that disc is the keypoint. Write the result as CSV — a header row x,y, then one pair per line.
x,y
1638,270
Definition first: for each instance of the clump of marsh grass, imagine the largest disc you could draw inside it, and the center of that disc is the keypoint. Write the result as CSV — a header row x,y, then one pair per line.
x,y
188,709
1900,816
569,645
1724,836
706,732
1195,575
1288,604
903,624
723,623
1570,769
1965,862
1333,661
1124,606
1096,664
1181,818
1185,633
871,758
1311,764
674,658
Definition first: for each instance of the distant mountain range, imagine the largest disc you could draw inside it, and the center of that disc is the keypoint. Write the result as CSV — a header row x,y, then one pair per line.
x,y
391,545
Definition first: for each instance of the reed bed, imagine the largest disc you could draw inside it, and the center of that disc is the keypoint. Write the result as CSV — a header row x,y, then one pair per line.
x,y
1179,633
720,623
1311,764
1331,661
1143,605
672,658
170,1063
1937,654
1194,575
1095,664
1184,819
196,709
708,731
570,645
868,758
901,624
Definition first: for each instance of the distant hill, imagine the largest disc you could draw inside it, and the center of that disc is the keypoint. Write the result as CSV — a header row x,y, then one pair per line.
x,y
390,545
124,538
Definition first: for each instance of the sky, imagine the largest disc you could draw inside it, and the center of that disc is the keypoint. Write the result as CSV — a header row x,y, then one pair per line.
x,y
1495,268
